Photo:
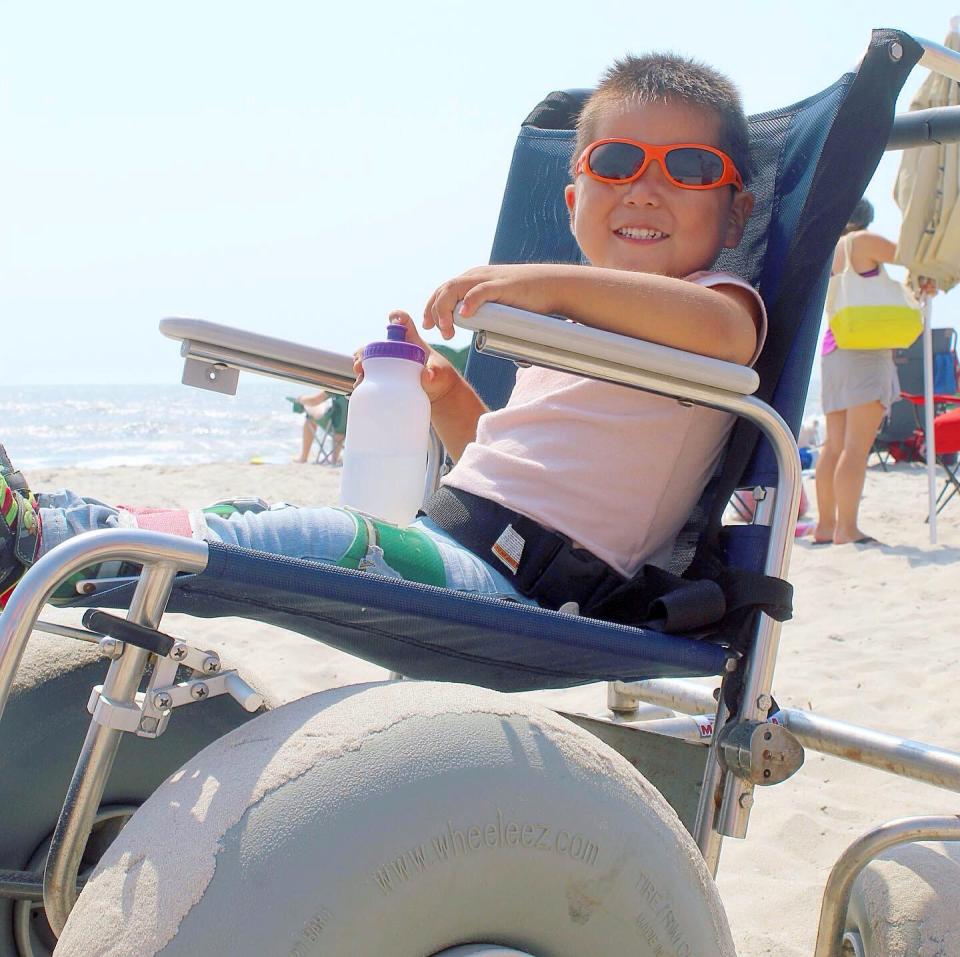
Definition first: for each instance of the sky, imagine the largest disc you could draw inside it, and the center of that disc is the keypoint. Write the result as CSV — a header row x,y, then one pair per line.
x,y
300,168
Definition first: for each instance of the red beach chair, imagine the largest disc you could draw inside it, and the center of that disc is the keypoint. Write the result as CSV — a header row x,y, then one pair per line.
x,y
946,433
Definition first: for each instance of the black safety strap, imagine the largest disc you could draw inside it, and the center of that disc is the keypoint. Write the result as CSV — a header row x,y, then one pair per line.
x,y
662,601
544,565
540,563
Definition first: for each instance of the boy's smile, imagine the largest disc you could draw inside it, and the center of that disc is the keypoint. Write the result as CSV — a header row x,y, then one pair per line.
x,y
641,234
651,225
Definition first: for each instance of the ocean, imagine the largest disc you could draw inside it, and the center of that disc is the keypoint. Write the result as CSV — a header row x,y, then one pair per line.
x,y
89,426
92,426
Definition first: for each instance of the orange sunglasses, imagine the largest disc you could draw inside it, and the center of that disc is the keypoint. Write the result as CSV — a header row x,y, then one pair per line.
x,y
687,165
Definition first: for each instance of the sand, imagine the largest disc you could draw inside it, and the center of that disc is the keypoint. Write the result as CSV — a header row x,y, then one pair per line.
x,y
874,641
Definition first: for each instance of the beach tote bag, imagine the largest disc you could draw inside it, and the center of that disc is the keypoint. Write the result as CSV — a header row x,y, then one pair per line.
x,y
871,312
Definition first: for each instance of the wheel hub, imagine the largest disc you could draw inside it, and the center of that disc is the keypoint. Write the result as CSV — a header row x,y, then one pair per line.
x,y
31,931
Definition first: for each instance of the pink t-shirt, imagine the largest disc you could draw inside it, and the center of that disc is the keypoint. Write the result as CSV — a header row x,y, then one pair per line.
x,y
615,469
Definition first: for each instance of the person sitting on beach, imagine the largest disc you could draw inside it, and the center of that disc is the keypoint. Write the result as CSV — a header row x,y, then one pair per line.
x,y
657,192
314,408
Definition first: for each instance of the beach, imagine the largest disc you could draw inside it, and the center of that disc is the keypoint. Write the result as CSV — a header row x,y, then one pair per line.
x,y
873,642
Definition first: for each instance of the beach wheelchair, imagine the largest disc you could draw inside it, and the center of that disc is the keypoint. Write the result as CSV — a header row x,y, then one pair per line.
x,y
439,815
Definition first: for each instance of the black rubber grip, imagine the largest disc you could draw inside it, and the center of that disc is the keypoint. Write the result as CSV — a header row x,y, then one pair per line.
x,y
127,631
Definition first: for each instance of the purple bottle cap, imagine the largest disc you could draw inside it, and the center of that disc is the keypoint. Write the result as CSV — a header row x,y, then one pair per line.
x,y
395,346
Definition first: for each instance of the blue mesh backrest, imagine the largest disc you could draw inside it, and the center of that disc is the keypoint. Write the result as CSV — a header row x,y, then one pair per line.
x,y
533,228
791,141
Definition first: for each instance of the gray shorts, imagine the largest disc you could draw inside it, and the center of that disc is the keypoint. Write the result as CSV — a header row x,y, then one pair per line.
x,y
853,377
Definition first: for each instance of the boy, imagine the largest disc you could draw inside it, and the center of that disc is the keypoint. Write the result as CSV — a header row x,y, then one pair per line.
x,y
657,192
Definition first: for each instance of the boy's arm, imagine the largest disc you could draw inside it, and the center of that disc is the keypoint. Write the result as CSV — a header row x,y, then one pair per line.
x,y
720,321
455,416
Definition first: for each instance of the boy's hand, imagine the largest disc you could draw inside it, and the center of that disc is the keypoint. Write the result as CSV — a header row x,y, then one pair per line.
x,y
438,377
525,286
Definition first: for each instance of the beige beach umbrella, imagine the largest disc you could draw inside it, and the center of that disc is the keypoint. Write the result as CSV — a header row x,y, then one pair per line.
x,y
927,190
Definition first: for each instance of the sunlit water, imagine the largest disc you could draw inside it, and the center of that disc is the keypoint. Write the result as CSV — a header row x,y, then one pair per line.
x,y
102,426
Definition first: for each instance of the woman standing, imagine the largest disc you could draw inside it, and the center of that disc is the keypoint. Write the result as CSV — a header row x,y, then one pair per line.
x,y
859,386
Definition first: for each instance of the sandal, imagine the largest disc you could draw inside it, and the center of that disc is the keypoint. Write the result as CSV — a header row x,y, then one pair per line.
x,y
13,477
19,528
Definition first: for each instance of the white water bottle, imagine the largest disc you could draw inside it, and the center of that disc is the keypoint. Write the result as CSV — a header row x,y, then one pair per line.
x,y
388,432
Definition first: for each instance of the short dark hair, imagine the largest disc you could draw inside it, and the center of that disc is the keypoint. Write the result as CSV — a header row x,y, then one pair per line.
x,y
861,217
665,78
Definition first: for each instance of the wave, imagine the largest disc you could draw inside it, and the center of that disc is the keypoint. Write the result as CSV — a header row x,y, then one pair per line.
x,y
106,426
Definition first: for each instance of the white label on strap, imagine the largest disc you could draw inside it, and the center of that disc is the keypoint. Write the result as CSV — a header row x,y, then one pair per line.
x,y
509,548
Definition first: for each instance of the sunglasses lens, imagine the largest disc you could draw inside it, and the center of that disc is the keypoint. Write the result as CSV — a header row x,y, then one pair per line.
x,y
694,167
615,160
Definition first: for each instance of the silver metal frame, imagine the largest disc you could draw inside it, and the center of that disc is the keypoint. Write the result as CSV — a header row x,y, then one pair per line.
x,y
836,894
939,59
162,556
876,749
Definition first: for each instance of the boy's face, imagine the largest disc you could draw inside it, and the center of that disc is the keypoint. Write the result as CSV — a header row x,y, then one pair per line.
x,y
691,225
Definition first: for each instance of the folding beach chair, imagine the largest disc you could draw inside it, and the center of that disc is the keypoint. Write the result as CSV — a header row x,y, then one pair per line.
x,y
327,426
895,438
812,162
946,431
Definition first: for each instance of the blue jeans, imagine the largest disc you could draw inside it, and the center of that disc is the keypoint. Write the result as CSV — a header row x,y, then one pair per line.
x,y
322,534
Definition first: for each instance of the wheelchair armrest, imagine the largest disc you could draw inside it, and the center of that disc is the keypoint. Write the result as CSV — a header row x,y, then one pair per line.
x,y
580,349
214,354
